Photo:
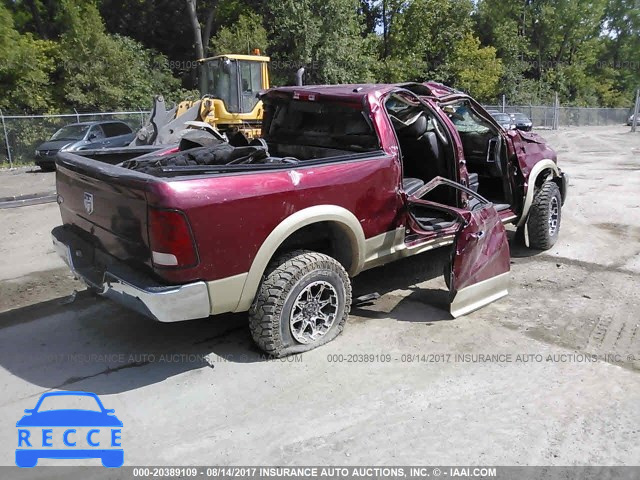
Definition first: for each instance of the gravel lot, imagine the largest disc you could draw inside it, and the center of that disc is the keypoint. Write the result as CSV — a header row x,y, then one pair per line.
x,y
25,180
564,389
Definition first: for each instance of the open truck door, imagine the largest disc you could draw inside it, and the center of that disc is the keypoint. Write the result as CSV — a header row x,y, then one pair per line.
x,y
478,273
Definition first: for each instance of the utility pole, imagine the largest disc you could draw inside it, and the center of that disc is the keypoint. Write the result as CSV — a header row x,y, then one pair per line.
x,y
6,140
636,110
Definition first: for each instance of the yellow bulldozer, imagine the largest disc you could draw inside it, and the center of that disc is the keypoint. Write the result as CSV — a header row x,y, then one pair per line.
x,y
229,85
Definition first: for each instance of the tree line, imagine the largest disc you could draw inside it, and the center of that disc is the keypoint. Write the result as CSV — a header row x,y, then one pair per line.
x,y
106,54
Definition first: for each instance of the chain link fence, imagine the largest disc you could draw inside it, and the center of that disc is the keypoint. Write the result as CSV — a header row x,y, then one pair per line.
x,y
542,116
20,135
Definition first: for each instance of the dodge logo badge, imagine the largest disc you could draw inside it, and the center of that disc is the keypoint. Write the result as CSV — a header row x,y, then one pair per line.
x,y
88,203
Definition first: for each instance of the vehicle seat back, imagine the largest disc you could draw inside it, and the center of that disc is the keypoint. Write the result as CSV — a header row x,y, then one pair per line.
x,y
435,164
411,185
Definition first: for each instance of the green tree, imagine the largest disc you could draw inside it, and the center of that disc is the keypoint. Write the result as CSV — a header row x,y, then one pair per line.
x,y
500,25
324,36
243,36
159,25
475,69
104,72
433,39
559,46
38,17
26,65
619,59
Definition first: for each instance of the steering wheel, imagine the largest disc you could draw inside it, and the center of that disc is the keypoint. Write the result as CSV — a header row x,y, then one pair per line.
x,y
438,128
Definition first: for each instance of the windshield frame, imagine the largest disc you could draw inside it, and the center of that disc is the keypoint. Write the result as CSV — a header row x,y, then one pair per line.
x,y
211,72
214,73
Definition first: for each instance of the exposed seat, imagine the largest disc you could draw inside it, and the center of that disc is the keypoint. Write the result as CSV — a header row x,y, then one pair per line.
x,y
474,203
434,223
474,181
412,185
500,207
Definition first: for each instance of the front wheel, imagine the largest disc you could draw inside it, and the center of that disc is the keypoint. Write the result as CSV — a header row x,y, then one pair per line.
x,y
303,302
544,217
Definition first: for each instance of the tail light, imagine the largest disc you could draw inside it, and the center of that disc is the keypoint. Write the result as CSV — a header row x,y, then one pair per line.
x,y
171,239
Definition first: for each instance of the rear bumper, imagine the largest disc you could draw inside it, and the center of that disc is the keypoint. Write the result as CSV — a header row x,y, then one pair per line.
x,y
129,288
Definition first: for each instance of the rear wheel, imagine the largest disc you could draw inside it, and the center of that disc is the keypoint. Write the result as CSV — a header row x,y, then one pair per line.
x,y
544,217
303,302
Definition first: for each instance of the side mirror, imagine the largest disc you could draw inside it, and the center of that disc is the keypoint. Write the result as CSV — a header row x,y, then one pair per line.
x,y
93,136
109,411
29,410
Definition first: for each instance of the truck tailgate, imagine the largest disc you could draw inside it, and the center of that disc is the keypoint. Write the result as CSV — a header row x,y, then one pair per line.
x,y
107,204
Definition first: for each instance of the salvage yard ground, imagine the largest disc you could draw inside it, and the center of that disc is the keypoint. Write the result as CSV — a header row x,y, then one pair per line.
x,y
547,376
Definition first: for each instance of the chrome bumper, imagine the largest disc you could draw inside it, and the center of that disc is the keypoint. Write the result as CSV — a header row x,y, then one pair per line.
x,y
136,292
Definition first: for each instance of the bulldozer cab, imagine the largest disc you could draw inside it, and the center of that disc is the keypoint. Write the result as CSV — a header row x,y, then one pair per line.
x,y
235,80
229,85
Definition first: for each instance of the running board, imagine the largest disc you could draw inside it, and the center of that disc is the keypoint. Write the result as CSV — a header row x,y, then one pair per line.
x,y
479,294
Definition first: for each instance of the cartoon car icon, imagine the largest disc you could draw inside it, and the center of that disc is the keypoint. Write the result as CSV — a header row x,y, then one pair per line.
x,y
36,428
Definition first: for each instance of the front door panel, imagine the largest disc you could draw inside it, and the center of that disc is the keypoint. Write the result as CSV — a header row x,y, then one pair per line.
x,y
480,267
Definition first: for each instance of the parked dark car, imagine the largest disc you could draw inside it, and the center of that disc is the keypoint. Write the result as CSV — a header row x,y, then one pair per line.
x,y
522,122
504,120
83,136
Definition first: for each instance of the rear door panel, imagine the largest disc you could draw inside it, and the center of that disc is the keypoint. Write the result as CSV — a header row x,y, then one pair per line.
x,y
481,259
481,262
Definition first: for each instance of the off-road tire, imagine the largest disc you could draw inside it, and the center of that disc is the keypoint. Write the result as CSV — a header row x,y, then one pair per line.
x,y
286,276
546,200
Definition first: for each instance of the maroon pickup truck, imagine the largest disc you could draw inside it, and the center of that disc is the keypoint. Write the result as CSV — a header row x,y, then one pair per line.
x,y
344,179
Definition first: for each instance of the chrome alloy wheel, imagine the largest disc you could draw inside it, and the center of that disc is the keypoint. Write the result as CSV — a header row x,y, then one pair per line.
x,y
554,215
314,312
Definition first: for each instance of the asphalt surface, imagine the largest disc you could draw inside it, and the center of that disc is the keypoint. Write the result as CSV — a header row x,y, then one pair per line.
x,y
545,376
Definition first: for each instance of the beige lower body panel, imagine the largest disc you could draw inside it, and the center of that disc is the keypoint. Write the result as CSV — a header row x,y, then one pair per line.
x,y
224,294
480,294
391,246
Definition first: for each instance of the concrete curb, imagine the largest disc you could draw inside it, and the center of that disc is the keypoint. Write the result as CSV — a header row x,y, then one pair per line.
x,y
29,199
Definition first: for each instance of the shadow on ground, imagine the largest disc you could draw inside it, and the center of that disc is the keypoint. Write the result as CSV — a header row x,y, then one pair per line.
x,y
400,296
63,345
54,345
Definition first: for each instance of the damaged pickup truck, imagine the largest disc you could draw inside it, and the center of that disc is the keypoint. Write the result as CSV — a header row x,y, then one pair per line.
x,y
345,178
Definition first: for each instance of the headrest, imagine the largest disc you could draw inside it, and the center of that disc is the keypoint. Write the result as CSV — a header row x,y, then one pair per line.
x,y
417,128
